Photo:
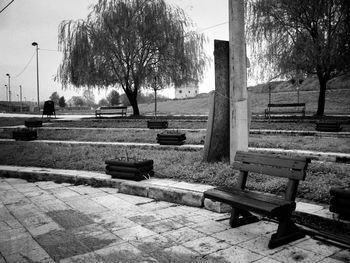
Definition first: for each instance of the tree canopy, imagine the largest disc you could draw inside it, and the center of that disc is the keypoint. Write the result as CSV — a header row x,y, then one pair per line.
x,y
125,43
113,98
301,37
55,97
62,102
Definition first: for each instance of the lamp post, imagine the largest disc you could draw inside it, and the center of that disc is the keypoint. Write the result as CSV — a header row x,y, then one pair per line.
x,y
9,78
7,95
298,93
37,71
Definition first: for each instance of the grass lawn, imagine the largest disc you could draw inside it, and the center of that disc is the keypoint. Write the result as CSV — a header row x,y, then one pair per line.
x,y
324,144
173,124
177,165
337,101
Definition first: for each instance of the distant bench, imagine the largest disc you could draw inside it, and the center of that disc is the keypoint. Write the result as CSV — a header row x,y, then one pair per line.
x,y
244,201
293,108
111,110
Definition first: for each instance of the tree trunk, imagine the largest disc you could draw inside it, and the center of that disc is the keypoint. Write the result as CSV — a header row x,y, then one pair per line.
x,y
322,95
132,96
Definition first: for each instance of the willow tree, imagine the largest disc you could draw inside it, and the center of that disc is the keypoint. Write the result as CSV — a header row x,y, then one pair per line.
x,y
301,37
123,42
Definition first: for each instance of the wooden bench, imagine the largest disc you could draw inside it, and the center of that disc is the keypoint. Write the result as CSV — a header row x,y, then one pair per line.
x,y
111,110
293,108
244,201
328,126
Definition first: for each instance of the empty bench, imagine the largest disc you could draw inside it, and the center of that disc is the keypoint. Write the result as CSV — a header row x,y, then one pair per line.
x,y
111,110
328,126
243,201
288,108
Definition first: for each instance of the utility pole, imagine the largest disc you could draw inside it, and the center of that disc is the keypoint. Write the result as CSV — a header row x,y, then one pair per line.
x,y
20,95
238,80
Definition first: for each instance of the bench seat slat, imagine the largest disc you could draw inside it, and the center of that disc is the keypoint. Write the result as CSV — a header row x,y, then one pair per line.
x,y
279,172
273,160
252,201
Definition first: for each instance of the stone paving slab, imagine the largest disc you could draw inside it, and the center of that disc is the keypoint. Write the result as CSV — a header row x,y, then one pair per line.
x,y
162,233
159,189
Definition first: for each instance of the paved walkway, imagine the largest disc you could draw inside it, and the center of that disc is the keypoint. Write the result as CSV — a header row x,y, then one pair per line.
x,y
49,222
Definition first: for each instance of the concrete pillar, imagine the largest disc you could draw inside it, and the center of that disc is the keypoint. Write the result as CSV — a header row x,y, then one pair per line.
x,y
238,82
217,146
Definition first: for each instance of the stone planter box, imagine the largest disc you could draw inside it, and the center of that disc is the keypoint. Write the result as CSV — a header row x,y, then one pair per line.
x,y
328,126
157,124
33,123
171,138
129,169
24,134
340,201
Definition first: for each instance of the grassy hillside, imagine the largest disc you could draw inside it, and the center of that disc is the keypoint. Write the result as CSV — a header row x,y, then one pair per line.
x,y
309,84
337,98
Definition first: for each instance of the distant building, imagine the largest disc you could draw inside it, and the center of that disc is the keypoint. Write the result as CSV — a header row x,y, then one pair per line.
x,y
186,91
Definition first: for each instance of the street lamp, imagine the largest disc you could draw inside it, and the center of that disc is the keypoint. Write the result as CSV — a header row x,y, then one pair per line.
x,y
37,70
7,95
9,77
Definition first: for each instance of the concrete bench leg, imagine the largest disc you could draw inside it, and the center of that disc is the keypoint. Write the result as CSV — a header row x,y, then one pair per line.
x,y
287,232
240,217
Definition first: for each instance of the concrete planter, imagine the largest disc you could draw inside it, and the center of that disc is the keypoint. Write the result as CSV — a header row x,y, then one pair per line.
x,y
129,169
33,123
24,134
171,138
340,201
157,124
328,126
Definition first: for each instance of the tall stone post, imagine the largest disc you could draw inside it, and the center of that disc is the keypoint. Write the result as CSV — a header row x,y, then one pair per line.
x,y
217,146
238,82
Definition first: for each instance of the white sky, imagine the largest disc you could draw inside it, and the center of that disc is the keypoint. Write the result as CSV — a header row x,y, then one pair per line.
x,y
27,21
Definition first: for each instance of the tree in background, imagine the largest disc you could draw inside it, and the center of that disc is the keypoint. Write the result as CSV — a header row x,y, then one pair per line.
x,y
301,37
113,98
78,101
62,102
55,97
103,102
122,42
89,97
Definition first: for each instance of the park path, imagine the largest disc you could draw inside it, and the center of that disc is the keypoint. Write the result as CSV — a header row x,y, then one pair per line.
x,y
49,222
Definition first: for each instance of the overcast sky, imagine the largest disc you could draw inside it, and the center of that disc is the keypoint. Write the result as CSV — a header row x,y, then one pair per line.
x,y
27,21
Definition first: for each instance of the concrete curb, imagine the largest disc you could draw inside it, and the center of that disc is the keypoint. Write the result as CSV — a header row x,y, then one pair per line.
x,y
158,189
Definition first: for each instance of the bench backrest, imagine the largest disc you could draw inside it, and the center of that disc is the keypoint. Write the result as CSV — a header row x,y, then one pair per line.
x,y
286,105
112,107
293,168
